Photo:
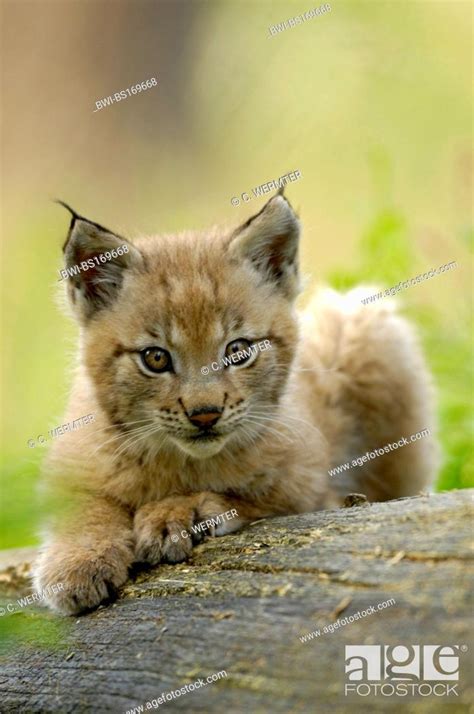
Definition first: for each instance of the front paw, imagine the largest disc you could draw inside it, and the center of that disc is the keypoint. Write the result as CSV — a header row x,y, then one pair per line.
x,y
163,530
75,580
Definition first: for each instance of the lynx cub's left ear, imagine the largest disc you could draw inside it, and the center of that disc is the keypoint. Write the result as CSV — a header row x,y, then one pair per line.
x,y
269,241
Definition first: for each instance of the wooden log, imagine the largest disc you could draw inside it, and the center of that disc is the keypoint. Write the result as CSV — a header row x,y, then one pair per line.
x,y
242,604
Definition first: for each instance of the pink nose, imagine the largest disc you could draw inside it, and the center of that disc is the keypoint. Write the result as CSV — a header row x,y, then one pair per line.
x,y
205,418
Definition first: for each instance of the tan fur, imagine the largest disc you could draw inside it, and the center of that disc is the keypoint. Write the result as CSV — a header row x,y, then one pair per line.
x,y
340,379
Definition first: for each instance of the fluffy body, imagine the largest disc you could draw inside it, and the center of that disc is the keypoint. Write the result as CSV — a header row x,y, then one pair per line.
x,y
340,378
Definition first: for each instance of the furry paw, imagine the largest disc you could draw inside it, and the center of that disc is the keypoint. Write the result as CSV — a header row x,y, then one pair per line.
x,y
82,578
162,530
166,530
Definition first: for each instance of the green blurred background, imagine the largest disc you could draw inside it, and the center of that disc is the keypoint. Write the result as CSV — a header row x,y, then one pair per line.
x,y
371,102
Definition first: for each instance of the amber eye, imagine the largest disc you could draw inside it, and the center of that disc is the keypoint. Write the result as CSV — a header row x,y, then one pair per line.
x,y
238,352
156,360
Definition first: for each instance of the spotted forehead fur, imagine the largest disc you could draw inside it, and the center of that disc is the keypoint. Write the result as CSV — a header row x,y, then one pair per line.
x,y
191,287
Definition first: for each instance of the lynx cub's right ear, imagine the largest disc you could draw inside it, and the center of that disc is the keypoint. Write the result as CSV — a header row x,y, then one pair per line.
x,y
269,241
93,284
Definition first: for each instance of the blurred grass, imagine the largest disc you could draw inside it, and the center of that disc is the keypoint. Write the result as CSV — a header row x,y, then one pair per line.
x,y
32,629
386,258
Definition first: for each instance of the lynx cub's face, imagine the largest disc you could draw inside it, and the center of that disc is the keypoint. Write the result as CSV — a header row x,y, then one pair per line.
x,y
158,321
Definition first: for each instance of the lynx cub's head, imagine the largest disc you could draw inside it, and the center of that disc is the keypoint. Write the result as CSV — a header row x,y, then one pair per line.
x,y
160,321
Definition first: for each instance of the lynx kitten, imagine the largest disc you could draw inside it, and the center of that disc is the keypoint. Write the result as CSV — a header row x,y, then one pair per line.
x,y
171,446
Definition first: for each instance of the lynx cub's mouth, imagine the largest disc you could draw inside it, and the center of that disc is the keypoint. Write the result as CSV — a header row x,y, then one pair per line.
x,y
210,436
202,445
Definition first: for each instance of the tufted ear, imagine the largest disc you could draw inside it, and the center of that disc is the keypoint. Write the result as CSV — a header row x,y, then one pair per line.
x,y
94,283
269,241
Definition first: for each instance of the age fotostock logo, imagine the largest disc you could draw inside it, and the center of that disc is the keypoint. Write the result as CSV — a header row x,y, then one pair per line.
x,y
402,670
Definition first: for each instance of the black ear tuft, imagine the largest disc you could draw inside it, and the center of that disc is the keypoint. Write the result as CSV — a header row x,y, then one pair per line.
x,y
74,215
78,217
67,207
